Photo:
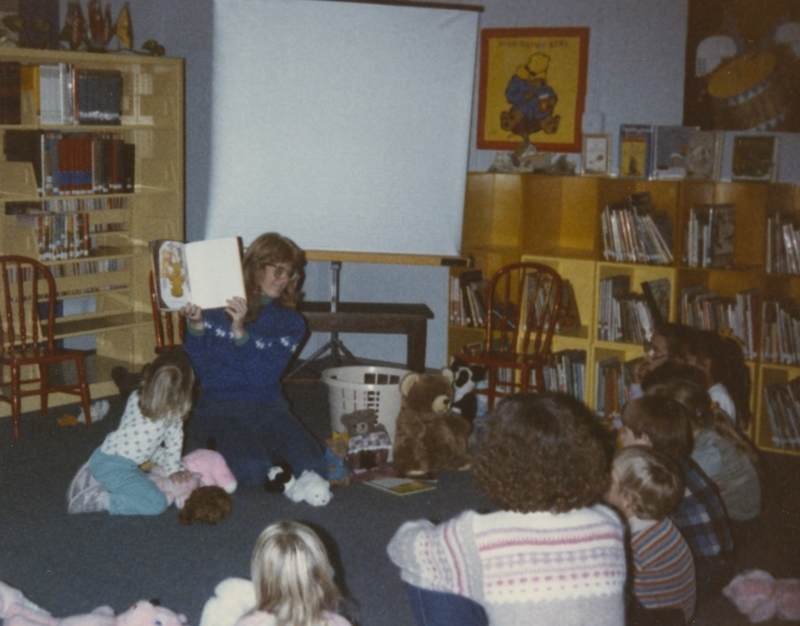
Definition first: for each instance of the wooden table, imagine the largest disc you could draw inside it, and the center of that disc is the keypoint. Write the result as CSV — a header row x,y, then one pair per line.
x,y
374,318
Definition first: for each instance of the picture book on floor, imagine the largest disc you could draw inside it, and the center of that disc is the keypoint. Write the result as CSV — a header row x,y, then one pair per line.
x,y
206,273
401,486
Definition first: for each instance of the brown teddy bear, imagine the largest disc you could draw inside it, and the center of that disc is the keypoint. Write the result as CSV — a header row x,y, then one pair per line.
x,y
205,505
429,435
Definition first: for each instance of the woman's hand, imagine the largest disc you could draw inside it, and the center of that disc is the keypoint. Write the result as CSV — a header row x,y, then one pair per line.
x,y
237,309
181,476
193,315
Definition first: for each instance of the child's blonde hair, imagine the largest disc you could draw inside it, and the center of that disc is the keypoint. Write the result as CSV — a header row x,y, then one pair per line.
x,y
292,575
653,481
167,386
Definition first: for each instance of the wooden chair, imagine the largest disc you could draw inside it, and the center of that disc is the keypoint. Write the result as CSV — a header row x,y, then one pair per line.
x,y
27,346
170,326
522,305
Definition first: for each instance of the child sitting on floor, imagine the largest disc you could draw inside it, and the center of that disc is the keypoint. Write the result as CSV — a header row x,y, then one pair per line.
x,y
543,460
293,580
112,479
662,423
646,486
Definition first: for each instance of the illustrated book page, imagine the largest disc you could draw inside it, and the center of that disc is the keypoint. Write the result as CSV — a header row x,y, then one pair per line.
x,y
401,486
205,273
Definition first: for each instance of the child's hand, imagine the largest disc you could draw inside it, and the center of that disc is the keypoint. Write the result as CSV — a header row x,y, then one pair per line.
x,y
237,309
181,476
193,315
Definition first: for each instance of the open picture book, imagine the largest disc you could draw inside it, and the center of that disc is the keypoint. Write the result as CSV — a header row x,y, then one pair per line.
x,y
205,273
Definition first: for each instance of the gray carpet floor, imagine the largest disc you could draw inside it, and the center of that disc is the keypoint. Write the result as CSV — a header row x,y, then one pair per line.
x,y
72,564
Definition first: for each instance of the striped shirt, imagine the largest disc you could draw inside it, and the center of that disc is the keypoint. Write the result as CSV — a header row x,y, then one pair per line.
x,y
663,567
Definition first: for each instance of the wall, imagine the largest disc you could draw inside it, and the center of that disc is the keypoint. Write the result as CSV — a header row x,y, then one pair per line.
x,y
636,64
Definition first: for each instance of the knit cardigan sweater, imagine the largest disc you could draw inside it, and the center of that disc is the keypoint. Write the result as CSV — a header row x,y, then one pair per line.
x,y
523,568
249,369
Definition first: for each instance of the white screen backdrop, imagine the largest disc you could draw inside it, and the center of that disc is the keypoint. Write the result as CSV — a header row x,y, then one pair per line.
x,y
343,125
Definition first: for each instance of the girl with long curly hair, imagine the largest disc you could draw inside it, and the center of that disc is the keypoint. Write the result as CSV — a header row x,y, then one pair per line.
x,y
553,553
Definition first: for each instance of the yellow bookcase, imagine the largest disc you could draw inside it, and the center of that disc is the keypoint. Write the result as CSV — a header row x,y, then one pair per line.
x,y
120,321
556,221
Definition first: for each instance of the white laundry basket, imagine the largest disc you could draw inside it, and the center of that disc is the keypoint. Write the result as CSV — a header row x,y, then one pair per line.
x,y
355,388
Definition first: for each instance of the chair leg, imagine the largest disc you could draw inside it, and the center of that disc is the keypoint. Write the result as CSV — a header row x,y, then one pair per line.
x,y
84,387
44,387
16,399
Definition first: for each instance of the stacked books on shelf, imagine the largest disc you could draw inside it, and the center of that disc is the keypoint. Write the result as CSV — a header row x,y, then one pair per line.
x,y
738,315
62,227
69,95
624,316
708,236
634,232
780,332
613,386
467,299
83,268
783,410
783,244
565,373
59,236
74,163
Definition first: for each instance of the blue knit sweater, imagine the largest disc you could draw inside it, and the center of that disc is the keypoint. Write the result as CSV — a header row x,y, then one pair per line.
x,y
249,369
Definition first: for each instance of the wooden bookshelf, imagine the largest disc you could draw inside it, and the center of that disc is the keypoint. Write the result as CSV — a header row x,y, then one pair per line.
x,y
120,323
556,221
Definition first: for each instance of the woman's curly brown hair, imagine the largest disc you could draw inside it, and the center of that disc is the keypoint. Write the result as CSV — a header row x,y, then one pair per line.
x,y
542,452
270,249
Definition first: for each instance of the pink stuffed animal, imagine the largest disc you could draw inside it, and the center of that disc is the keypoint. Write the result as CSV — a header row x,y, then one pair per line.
x,y
760,597
16,610
209,469
213,470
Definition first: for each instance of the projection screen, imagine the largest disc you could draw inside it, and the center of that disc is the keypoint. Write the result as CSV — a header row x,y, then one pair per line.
x,y
343,125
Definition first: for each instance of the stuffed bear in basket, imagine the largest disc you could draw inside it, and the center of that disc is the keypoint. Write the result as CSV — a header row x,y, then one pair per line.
x,y
429,435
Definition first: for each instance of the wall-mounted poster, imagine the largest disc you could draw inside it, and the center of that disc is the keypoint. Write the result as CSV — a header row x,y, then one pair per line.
x,y
743,65
532,88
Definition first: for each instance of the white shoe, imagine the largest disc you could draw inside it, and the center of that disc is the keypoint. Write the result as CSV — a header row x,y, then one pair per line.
x,y
98,410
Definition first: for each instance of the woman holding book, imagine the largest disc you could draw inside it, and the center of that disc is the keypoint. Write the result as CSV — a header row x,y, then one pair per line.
x,y
239,353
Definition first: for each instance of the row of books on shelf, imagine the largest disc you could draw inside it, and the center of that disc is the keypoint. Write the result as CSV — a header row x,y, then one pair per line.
x,y
60,93
631,317
675,152
468,300
565,372
782,403
59,236
783,244
84,268
74,163
780,332
613,380
708,236
738,315
633,231
66,205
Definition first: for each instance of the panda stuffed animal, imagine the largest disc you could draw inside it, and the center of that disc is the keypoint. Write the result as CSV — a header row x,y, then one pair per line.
x,y
466,378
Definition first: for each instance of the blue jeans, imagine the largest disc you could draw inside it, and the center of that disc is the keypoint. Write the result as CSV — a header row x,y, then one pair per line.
x,y
254,436
131,492
436,608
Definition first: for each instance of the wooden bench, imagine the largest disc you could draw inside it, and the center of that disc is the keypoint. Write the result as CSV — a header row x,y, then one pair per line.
x,y
374,318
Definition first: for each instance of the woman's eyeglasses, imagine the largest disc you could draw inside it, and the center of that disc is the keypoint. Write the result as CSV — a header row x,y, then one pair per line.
x,y
280,272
